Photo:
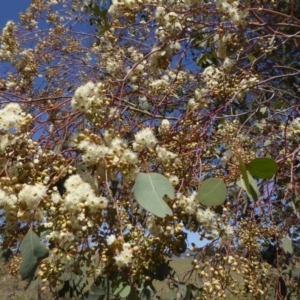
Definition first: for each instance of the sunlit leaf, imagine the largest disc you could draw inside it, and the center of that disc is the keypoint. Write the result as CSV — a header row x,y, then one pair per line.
x,y
262,167
253,192
287,245
244,175
32,251
149,190
171,295
212,192
296,272
122,290
183,289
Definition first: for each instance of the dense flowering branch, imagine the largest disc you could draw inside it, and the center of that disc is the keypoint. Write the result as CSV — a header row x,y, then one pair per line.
x,y
91,97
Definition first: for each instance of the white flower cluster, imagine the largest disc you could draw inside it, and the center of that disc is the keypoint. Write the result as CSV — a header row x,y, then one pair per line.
x,y
168,22
114,65
88,96
118,7
232,9
9,45
215,77
228,64
80,192
160,85
174,180
135,55
124,258
114,148
164,126
228,128
30,66
9,140
160,60
110,239
144,138
228,231
32,195
199,100
207,218
92,152
52,2
6,141
7,200
64,236
11,116
293,129
223,42
154,228
164,155
188,203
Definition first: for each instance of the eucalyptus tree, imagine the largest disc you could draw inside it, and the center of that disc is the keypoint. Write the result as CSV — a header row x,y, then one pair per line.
x,y
124,124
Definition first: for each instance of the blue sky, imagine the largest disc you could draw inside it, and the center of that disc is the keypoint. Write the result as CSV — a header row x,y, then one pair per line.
x,y
9,11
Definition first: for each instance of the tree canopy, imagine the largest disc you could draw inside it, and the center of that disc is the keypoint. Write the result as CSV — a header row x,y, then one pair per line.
x,y
124,124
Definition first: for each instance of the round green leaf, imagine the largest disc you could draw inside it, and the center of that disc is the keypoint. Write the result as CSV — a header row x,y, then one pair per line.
x,y
262,167
212,192
123,290
149,190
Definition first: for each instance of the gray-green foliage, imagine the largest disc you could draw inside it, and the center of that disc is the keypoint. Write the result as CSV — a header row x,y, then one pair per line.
x,y
212,192
262,167
32,251
150,189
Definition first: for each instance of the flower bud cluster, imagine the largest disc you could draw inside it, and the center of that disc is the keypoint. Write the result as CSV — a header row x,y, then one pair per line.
x,y
9,44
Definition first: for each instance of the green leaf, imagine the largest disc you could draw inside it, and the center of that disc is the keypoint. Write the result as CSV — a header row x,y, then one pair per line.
x,y
287,245
149,190
182,289
296,272
271,295
32,251
206,60
262,167
97,291
244,175
212,192
33,285
251,189
147,291
65,276
253,192
122,290
171,295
